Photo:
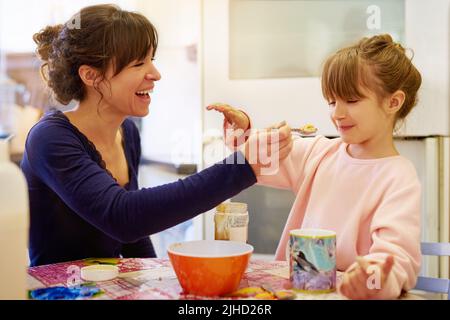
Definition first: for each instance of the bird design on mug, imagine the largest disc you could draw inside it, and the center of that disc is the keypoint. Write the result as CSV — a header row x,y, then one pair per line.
x,y
304,264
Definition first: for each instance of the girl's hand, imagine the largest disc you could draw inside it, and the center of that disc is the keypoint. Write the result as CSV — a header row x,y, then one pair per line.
x,y
365,279
237,118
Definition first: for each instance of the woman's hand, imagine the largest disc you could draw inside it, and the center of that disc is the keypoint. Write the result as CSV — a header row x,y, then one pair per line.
x,y
265,149
365,279
236,118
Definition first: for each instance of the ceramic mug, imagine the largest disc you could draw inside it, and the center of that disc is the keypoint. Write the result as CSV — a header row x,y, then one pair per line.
x,y
312,260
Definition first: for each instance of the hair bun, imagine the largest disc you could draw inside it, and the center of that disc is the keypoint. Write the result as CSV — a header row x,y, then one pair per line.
x,y
399,47
44,40
379,42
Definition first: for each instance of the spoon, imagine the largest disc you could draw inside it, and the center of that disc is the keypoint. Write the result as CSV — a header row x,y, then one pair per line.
x,y
305,131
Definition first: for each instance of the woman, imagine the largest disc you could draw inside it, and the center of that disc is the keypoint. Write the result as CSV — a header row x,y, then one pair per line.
x,y
82,165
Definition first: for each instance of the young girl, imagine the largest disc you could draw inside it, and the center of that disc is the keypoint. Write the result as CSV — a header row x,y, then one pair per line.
x,y
358,185
81,166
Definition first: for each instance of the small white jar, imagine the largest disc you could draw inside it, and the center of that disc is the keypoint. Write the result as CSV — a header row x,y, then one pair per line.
x,y
231,222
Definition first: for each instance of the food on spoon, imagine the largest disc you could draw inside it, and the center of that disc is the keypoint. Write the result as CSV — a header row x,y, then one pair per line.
x,y
308,129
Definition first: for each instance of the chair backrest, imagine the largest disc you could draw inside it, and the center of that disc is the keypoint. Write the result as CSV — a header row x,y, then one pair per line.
x,y
430,284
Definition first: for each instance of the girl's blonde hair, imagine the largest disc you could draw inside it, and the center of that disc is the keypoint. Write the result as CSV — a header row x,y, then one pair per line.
x,y
376,63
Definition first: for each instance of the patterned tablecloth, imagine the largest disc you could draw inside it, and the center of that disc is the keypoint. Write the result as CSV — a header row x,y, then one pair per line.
x,y
155,279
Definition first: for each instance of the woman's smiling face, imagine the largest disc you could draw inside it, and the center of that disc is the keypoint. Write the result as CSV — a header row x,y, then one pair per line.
x,y
129,91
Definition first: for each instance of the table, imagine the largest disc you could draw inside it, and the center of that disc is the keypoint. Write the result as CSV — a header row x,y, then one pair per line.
x,y
144,279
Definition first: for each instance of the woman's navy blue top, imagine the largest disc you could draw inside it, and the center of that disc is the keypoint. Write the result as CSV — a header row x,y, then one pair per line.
x,y
78,210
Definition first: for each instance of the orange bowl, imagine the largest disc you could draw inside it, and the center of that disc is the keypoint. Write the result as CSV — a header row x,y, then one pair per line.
x,y
209,267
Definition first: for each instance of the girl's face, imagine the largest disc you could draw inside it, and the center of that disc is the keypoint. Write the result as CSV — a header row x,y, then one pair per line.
x,y
361,120
128,93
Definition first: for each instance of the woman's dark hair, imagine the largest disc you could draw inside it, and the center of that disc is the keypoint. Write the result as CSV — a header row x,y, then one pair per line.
x,y
105,35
